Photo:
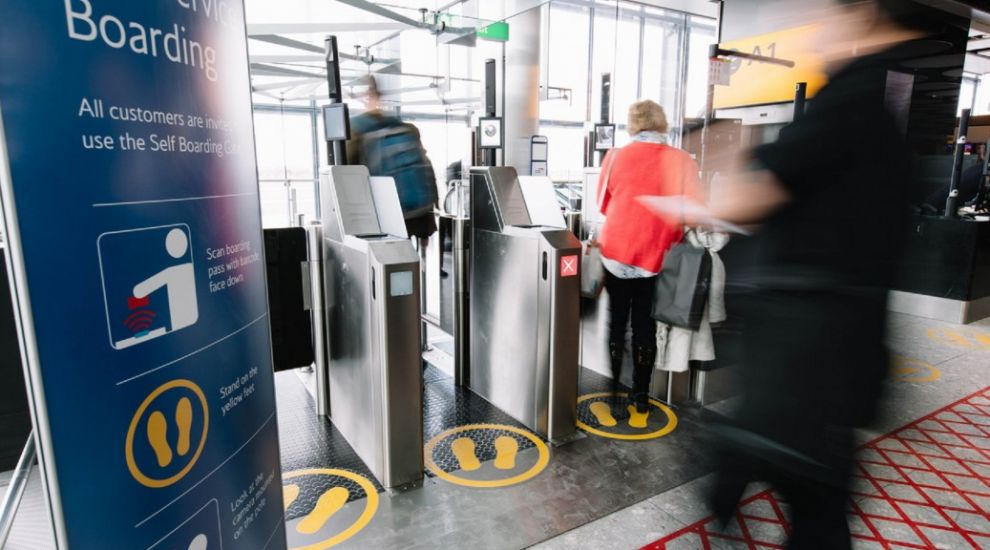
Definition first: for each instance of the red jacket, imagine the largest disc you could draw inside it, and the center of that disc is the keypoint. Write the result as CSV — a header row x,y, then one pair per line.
x,y
632,234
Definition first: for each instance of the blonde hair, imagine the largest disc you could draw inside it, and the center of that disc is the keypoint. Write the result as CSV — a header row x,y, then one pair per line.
x,y
647,116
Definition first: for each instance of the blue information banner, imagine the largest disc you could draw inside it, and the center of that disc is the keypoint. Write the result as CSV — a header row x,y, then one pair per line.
x,y
131,207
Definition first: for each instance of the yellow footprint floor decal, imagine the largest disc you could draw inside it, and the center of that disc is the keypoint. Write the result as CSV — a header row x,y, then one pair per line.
x,y
158,438
506,449
638,419
463,449
603,413
184,419
289,494
329,504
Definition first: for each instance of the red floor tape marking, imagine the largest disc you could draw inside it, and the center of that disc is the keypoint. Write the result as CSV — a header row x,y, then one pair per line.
x,y
926,485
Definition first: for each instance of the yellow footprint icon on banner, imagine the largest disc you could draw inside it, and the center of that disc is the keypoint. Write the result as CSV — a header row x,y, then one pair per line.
x,y
158,438
603,414
158,432
184,419
172,422
463,449
506,448
329,504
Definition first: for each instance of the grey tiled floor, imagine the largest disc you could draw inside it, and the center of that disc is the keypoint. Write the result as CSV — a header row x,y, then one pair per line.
x,y
609,494
959,355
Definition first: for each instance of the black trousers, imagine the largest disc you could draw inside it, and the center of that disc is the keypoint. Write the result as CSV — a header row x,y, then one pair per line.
x,y
422,226
817,495
633,298
812,370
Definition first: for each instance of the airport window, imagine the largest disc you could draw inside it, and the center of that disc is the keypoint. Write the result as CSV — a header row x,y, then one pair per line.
x,y
649,53
974,94
628,60
286,170
702,37
565,150
568,62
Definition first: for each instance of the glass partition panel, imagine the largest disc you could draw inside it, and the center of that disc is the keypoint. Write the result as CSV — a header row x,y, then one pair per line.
x,y
569,41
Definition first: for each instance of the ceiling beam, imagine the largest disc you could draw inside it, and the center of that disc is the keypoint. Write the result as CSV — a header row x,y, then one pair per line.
x,y
264,58
262,69
321,28
383,12
285,84
300,45
452,101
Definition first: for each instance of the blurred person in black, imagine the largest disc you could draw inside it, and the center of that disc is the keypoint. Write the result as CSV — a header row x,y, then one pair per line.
x,y
831,199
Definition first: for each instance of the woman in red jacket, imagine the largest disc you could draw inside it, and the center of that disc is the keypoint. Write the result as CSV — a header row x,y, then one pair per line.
x,y
633,241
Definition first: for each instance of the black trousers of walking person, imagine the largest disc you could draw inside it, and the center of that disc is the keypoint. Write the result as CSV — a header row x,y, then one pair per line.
x,y
813,364
632,300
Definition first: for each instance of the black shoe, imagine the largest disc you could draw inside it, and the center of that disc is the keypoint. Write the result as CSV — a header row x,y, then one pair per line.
x,y
643,404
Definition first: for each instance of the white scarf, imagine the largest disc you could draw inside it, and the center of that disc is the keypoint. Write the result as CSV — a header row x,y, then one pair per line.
x,y
650,137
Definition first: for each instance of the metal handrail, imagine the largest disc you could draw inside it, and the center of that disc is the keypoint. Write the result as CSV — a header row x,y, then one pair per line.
x,y
15,492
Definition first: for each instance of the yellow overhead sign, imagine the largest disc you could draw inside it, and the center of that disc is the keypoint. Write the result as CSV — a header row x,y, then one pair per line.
x,y
755,83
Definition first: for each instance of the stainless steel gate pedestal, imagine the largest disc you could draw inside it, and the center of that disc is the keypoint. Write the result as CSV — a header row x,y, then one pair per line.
x,y
524,308
372,294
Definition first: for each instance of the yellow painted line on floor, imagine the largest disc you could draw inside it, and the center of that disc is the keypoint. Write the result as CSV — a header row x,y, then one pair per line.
x,y
596,398
913,371
370,504
463,449
638,420
603,414
289,495
506,449
951,337
502,461
983,339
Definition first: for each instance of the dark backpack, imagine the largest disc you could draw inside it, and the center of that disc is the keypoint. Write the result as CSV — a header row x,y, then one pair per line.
x,y
392,148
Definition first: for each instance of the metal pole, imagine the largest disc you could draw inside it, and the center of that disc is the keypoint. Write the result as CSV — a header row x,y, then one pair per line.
x,y
424,339
338,148
951,203
318,306
605,115
709,108
461,229
491,99
800,99
575,223
15,492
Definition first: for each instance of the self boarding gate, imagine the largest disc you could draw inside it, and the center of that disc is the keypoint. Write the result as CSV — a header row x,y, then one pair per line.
x,y
524,308
371,276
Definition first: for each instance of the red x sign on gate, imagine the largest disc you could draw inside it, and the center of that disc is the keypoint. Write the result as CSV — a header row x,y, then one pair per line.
x,y
568,266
